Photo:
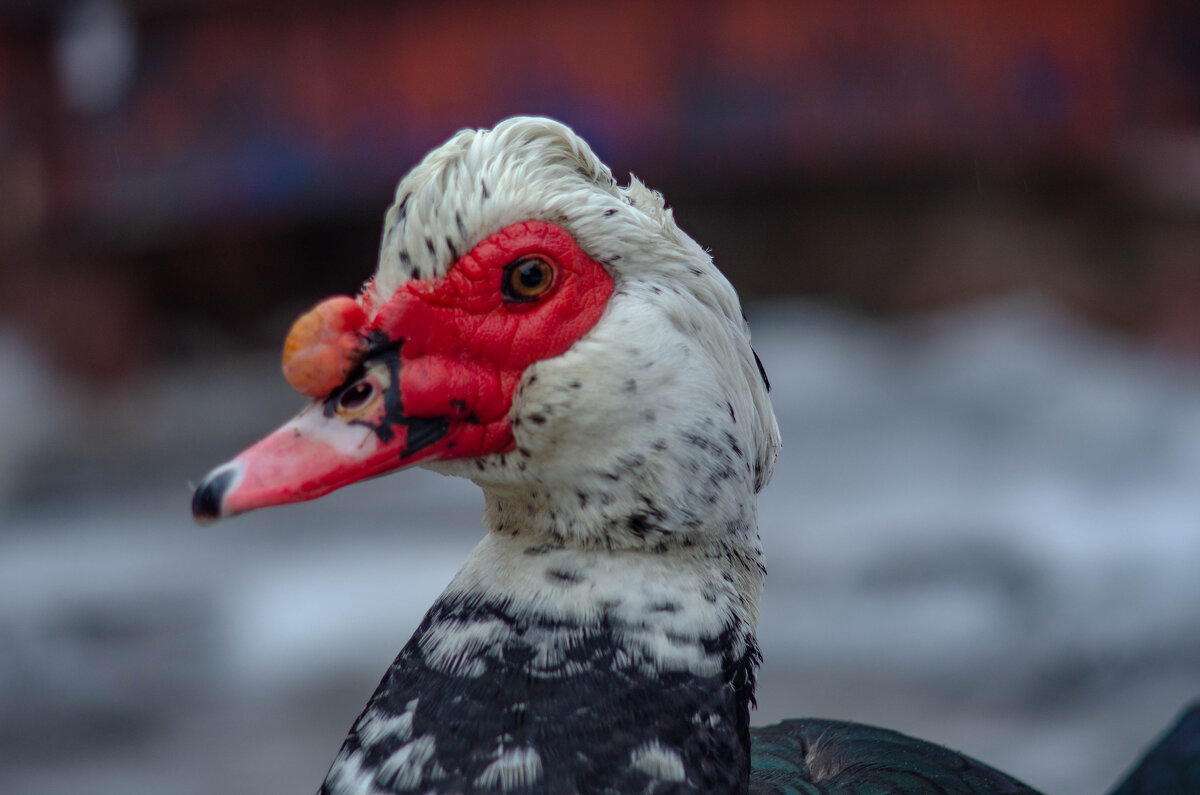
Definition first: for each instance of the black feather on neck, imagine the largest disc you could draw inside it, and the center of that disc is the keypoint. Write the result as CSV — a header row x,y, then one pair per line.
x,y
591,706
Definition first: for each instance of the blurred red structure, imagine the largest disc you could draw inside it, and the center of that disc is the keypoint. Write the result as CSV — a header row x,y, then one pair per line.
x,y
233,111
224,121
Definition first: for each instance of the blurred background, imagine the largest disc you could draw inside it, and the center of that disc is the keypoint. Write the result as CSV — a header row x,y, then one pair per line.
x,y
968,238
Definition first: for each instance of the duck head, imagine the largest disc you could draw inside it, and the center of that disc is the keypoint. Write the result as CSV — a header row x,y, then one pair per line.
x,y
537,328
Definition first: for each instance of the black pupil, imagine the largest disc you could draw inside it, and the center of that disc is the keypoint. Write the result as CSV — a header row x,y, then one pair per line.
x,y
532,275
356,395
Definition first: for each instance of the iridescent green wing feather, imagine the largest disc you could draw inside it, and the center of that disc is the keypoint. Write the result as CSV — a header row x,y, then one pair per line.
x,y
811,757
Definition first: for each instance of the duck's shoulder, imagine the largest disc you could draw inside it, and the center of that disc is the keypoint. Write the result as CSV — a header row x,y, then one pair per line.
x,y
827,756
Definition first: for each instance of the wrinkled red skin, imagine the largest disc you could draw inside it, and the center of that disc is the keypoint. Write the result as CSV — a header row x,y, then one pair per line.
x,y
465,348
458,348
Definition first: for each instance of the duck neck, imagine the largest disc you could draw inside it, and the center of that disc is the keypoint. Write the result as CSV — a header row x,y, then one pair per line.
x,y
546,667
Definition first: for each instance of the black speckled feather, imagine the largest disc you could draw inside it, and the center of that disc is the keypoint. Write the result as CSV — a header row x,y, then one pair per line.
x,y
818,757
585,715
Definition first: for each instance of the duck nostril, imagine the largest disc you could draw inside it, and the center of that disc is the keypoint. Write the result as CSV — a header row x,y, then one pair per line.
x,y
206,502
356,396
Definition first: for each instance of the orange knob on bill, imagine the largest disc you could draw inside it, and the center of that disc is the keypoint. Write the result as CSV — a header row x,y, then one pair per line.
x,y
323,346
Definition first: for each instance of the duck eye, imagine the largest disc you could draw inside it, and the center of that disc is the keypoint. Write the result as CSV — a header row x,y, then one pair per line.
x,y
527,279
356,397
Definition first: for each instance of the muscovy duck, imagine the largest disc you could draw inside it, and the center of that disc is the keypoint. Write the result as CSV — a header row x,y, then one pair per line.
x,y
557,339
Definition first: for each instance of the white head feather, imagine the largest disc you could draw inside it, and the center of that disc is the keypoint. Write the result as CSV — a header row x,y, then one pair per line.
x,y
630,409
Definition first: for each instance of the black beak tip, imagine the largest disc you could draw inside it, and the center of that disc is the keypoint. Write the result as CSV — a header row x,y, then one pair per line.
x,y
206,502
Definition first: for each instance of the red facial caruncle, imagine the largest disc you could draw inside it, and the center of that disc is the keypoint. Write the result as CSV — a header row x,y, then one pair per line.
x,y
428,374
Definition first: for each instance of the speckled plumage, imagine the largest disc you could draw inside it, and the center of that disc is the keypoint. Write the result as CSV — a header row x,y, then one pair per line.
x,y
612,669
601,637
527,703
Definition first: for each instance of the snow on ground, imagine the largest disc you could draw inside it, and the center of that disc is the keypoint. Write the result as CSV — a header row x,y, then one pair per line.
x,y
984,530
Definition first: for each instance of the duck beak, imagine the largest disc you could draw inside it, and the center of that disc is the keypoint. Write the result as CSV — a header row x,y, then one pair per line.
x,y
379,407
315,453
